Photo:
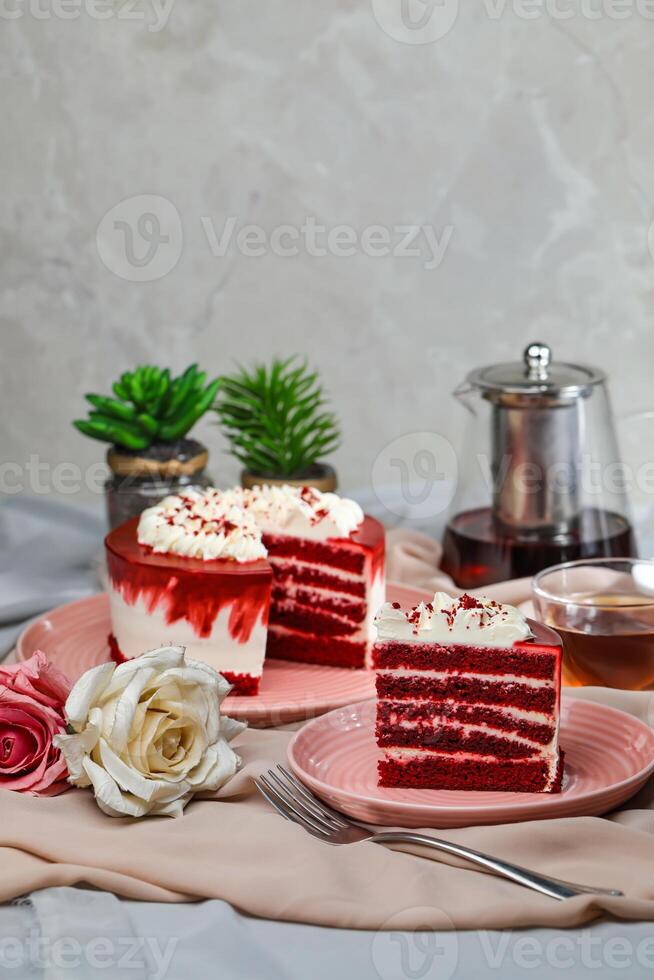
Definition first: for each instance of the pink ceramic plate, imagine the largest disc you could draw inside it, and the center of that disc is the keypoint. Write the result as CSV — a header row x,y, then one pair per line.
x,y
74,636
609,756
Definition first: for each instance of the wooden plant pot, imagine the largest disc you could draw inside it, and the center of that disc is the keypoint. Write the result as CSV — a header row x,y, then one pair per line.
x,y
142,479
321,477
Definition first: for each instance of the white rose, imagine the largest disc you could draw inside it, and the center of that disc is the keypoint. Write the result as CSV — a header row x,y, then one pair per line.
x,y
148,734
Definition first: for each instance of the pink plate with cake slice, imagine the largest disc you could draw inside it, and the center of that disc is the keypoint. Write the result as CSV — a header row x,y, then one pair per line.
x,y
609,756
74,637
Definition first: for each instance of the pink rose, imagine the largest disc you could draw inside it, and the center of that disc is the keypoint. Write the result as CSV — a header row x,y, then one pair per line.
x,y
32,698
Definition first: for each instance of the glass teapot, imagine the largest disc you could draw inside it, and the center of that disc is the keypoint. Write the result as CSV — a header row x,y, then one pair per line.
x,y
541,481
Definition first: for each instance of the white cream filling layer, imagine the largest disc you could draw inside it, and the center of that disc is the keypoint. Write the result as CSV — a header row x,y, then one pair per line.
x,y
289,605
539,717
444,674
515,737
403,753
293,564
291,590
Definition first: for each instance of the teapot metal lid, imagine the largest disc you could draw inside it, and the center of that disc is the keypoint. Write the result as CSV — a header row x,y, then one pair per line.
x,y
537,374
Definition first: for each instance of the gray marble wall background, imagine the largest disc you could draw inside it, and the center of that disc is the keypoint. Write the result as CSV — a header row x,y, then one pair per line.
x,y
520,134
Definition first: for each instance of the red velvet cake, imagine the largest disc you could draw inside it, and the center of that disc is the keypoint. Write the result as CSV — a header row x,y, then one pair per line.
x,y
468,697
224,572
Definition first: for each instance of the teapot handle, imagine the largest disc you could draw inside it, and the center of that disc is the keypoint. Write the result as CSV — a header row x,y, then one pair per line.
x,y
463,393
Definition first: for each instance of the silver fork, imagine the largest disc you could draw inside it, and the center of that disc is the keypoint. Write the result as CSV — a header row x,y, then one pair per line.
x,y
296,803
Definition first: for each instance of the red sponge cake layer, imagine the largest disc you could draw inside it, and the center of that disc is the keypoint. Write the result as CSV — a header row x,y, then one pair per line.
x,y
424,718
491,775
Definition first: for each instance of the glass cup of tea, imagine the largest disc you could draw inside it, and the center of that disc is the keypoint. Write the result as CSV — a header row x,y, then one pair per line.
x,y
603,609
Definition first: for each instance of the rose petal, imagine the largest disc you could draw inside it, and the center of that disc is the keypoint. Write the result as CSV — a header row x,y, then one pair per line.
x,y
137,747
127,778
54,779
38,679
220,765
172,809
86,692
126,707
18,747
230,727
108,795
161,660
51,718
224,686
75,749
27,719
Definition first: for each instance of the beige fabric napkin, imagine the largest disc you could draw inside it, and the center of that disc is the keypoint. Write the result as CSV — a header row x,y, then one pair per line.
x,y
237,848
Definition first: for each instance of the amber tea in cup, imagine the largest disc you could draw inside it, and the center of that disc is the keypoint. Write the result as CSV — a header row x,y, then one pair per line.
x,y
603,609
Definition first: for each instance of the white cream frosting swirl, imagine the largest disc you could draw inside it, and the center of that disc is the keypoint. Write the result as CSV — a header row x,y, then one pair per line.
x,y
300,511
230,523
205,525
446,620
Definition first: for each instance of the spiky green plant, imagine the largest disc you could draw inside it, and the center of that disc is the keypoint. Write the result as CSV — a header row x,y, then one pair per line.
x,y
149,407
275,418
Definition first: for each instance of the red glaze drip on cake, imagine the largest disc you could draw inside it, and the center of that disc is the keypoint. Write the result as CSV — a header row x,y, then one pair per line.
x,y
189,588
475,715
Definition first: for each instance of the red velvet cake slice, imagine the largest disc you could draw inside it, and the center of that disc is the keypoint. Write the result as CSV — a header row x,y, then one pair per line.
x,y
327,559
468,697
191,571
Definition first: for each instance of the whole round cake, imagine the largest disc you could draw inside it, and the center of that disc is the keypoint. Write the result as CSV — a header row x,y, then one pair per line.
x,y
234,575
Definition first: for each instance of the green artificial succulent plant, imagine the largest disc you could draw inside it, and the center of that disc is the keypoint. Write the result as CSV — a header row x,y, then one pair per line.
x,y
149,407
275,418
